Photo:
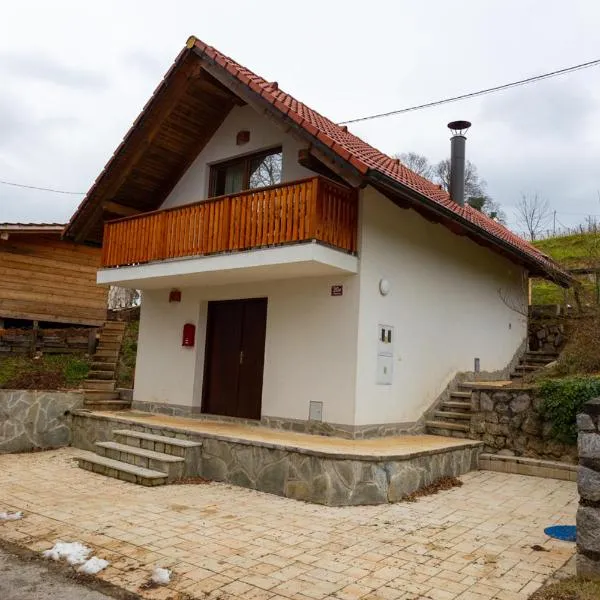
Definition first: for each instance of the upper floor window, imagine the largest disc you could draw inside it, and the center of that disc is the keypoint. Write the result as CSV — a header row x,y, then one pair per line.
x,y
246,173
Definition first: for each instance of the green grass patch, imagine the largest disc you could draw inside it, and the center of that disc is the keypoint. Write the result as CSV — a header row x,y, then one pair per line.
x,y
48,372
578,250
569,589
126,366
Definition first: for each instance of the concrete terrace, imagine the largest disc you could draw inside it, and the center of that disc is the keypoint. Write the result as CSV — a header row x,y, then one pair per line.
x,y
382,447
469,543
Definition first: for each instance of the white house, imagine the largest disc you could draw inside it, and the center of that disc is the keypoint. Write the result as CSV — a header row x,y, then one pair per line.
x,y
291,272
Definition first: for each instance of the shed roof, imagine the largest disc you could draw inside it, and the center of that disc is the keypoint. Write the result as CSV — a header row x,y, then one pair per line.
x,y
56,228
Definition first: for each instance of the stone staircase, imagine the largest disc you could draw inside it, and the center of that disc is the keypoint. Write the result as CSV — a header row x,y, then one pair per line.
x,y
533,360
453,417
143,458
99,387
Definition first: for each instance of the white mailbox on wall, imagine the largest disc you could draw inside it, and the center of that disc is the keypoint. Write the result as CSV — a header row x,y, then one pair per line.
x,y
385,354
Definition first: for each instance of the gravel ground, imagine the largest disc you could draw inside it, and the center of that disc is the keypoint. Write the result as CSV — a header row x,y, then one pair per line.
x,y
26,579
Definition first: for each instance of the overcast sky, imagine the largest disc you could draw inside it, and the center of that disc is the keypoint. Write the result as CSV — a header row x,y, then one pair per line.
x,y
74,75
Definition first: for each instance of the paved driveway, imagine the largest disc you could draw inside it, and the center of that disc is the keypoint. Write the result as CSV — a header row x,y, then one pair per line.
x,y
469,543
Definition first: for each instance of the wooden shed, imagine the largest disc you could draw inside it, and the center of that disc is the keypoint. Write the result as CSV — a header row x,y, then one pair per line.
x,y
45,278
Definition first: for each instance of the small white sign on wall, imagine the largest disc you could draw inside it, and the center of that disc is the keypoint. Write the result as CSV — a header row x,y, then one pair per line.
x,y
385,354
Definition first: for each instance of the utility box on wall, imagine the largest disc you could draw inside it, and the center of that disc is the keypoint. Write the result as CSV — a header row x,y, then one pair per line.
x,y
385,354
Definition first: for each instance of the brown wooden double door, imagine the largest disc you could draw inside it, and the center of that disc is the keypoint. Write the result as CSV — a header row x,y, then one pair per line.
x,y
235,351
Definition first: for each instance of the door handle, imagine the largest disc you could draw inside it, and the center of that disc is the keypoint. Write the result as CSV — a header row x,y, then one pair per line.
x,y
241,357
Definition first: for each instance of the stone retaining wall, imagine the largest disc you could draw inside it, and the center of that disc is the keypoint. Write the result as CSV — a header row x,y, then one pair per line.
x,y
30,420
312,476
546,335
507,421
588,482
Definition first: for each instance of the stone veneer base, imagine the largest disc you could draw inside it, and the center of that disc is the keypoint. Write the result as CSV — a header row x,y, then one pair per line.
x,y
30,420
312,476
352,432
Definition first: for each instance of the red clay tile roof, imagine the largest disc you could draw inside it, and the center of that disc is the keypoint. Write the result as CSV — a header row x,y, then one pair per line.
x,y
365,158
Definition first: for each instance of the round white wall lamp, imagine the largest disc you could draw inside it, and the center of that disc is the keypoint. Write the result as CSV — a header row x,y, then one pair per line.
x,y
384,287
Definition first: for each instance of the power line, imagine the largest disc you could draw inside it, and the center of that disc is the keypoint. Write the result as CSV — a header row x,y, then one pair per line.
x,y
491,90
497,88
41,189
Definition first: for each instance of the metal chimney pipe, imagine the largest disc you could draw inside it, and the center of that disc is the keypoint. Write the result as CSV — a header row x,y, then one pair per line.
x,y
457,160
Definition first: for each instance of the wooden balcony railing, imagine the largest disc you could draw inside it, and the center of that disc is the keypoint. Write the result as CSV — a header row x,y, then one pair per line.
x,y
310,209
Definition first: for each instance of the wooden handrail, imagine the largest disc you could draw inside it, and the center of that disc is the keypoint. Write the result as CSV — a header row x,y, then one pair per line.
x,y
308,209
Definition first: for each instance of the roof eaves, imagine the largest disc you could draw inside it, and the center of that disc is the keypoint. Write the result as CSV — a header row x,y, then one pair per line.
x,y
32,227
543,266
87,204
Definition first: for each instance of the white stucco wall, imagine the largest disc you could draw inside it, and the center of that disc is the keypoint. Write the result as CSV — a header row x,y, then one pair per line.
x,y
444,304
264,134
310,348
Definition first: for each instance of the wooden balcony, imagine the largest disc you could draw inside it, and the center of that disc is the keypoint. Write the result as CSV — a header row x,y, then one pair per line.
x,y
300,211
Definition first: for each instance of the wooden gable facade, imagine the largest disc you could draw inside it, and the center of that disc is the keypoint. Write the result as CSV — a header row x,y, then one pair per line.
x,y
48,279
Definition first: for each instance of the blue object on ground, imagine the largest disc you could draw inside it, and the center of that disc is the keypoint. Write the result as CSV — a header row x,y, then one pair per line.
x,y
566,533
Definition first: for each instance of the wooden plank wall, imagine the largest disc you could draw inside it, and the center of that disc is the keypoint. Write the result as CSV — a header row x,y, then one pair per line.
x,y
46,279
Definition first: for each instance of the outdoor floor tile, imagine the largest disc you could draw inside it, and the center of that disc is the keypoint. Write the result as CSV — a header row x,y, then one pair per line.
x,y
469,543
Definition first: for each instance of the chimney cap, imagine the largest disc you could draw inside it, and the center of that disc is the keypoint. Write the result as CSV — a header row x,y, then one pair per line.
x,y
459,127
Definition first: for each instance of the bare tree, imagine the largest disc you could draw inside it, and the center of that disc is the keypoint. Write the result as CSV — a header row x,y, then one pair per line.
x,y
266,171
440,173
416,162
533,214
119,297
474,185
488,206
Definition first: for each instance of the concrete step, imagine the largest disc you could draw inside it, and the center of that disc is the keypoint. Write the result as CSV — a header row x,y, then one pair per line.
x,y
105,385
444,415
446,425
110,355
476,385
114,326
173,466
95,395
534,354
105,359
457,405
107,375
110,405
538,360
120,470
158,443
460,395
102,345
527,368
111,336
104,366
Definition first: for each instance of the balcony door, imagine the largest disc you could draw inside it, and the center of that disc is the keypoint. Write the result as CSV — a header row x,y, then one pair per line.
x,y
258,170
235,350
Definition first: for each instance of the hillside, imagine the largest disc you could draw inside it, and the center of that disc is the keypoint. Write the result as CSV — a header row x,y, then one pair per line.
x,y
571,251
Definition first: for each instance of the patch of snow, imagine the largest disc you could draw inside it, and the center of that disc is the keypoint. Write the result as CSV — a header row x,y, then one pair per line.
x,y
75,553
6,516
161,576
93,565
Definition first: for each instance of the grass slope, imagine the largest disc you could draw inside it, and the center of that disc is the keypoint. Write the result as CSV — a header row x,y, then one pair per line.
x,y
126,366
570,251
49,372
